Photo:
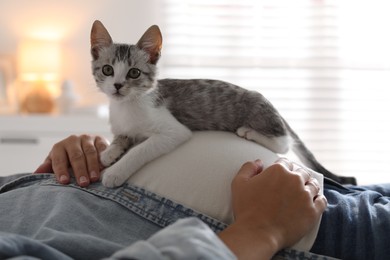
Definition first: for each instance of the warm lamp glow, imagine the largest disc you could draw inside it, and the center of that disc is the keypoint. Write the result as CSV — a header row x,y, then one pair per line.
x,y
39,67
39,60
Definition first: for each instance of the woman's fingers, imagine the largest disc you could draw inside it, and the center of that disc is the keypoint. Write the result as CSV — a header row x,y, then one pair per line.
x,y
285,163
320,203
81,154
60,163
78,161
91,157
250,169
313,187
101,143
310,184
303,172
283,201
45,167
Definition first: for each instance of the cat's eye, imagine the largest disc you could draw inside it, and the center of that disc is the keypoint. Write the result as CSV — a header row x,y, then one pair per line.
x,y
134,73
108,70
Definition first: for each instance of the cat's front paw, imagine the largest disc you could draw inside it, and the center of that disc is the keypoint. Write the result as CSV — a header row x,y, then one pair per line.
x,y
108,157
113,179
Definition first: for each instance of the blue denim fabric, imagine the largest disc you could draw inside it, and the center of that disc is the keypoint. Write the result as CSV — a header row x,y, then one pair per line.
x,y
356,224
92,222
23,248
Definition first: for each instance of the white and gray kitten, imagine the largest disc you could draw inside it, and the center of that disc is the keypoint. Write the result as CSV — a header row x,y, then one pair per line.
x,y
151,117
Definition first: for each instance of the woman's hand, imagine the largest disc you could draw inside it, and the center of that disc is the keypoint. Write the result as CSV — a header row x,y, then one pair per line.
x,y
81,154
274,208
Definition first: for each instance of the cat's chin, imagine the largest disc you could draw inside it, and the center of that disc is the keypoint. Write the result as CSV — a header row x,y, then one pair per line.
x,y
116,96
119,98
123,98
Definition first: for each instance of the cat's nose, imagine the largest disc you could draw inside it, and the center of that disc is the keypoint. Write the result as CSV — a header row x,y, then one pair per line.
x,y
118,86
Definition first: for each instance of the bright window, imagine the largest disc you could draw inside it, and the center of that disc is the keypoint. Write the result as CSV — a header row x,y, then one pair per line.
x,y
325,65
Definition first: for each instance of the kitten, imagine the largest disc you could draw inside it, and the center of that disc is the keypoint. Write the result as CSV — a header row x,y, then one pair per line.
x,y
151,117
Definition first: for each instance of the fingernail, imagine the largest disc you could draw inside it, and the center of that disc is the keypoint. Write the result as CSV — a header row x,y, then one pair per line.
x,y
63,179
93,176
259,163
83,180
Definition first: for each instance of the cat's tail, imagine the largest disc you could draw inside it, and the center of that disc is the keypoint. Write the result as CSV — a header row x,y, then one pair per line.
x,y
308,158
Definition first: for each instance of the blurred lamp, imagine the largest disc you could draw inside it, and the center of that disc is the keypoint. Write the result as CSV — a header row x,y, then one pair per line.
x,y
39,68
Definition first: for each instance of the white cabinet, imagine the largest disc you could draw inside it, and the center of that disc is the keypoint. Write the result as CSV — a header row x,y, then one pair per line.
x,y
25,141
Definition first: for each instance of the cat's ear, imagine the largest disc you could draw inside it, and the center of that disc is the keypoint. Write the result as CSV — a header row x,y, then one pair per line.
x,y
151,42
99,38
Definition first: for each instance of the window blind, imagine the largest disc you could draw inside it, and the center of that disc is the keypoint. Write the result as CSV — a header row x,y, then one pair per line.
x,y
325,65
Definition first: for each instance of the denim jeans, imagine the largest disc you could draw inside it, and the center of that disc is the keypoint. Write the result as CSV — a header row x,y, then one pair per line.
x,y
92,222
356,224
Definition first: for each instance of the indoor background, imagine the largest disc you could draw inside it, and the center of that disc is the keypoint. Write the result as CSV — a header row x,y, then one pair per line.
x,y
325,65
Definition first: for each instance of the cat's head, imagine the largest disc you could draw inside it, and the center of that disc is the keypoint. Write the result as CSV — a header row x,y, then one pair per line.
x,y
125,71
